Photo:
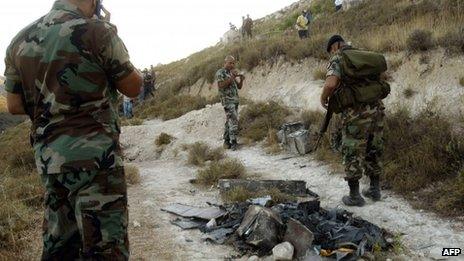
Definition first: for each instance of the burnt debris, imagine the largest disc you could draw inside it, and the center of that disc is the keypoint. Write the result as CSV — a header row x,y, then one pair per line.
x,y
256,229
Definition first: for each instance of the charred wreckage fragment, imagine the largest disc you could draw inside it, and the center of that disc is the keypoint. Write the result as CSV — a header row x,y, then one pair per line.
x,y
258,228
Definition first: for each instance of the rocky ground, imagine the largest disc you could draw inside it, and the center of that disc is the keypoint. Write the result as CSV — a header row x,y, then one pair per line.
x,y
165,176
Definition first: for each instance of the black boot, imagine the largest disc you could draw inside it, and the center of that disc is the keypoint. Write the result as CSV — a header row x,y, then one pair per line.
x,y
354,199
373,192
233,145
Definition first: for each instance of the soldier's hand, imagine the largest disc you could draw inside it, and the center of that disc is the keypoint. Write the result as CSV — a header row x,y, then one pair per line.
x,y
325,103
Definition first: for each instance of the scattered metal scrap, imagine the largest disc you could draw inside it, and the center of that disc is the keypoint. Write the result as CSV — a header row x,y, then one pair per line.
x,y
313,232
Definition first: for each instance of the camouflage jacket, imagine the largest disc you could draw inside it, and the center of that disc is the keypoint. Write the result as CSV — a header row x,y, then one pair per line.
x,y
229,94
65,66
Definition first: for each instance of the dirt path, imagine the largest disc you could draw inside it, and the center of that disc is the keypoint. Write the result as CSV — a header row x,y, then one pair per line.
x,y
152,235
165,180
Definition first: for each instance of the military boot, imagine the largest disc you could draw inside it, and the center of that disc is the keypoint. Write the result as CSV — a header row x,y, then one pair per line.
x,y
354,199
373,192
233,145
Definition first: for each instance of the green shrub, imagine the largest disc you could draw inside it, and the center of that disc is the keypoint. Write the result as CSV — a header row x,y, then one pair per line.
x,y
461,81
257,119
228,169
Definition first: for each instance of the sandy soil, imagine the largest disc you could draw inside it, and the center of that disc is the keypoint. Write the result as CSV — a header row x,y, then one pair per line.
x,y
165,180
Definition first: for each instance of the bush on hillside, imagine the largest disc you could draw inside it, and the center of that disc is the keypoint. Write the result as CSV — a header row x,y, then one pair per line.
x,y
227,169
199,153
420,40
422,157
163,139
257,119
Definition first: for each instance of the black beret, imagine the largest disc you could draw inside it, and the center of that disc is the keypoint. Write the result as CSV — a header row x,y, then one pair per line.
x,y
334,39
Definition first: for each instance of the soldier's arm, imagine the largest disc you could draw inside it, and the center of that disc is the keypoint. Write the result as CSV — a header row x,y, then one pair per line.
x,y
240,84
116,63
224,82
14,104
14,88
333,80
331,84
126,84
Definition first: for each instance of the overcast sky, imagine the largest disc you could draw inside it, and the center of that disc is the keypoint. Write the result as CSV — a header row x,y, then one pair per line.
x,y
155,31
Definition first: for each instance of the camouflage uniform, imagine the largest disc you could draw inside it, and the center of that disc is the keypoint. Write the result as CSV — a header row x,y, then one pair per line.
x,y
230,101
65,66
362,132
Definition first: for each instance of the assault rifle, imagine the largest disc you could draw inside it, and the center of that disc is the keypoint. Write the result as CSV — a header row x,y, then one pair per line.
x,y
324,127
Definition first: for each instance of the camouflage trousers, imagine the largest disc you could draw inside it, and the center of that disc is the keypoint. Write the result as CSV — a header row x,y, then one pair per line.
x,y
362,140
231,126
86,216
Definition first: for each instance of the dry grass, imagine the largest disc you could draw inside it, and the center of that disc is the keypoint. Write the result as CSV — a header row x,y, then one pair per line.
x,y
319,73
131,122
420,40
257,119
21,192
132,174
199,153
395,63
169,105
409,93
272,145
311,119
385,26
163,139
422,158
227,169
241,194
2,104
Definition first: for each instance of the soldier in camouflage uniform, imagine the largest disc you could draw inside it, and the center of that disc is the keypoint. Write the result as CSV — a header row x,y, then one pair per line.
x,y
64,71
228,85
362,140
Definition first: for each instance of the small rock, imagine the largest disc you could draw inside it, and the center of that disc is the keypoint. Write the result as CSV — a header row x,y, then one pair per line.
x,y
136,224
211,224
253,258
283,251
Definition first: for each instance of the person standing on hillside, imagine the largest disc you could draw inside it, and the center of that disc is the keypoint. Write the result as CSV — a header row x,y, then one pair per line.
x,y
64,71
302,25
362,130
228,86
248,27
148,85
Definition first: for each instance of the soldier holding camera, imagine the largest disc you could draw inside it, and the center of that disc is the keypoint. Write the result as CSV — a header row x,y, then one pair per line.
x,y
229,82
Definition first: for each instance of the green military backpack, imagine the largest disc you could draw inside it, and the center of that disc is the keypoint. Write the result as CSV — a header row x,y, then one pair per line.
x,y
361,83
